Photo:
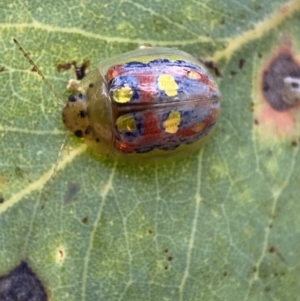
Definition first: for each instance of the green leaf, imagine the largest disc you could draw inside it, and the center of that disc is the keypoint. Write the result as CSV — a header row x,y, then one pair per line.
x,y
222,224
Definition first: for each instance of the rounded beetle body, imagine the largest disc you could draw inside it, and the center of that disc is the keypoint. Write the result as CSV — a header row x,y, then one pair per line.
x,y
149,102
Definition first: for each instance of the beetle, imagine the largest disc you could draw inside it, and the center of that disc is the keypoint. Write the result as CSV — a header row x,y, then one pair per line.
x,y
150,102
147,103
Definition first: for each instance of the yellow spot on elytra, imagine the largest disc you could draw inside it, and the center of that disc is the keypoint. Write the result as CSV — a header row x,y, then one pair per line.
x,y
126,123
194,75
166,82
172,122
123,94
199,127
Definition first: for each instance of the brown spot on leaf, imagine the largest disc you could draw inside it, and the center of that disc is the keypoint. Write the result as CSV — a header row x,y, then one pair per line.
x,y
294,143
85,220
277,109
271,249
267,289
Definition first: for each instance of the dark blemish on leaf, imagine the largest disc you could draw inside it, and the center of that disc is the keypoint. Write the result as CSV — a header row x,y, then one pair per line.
x,y
222,21
166,267
97,140
73,189
91,85
211,65
2,69
150,231
225,274
33,69
267,289
21,284
242,63
166,250
170,258
256,122
271,249
254,269
294,143
233,73
279,79
1,199
270,226
85,220
259,55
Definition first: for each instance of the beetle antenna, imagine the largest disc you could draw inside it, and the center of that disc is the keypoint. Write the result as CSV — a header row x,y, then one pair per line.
x,y
35,68
46,193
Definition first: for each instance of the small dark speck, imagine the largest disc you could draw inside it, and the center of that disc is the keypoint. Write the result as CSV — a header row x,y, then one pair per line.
x,y
225,274
272,250
256,122
170,258
267,289
259,55
270,226
295,85
222,21
233,73
242,63
150,231
91,85
213,66
166,250
166,267
2,69
33,69
97,140
85,220
1,199
294,143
